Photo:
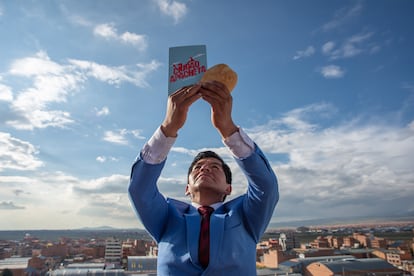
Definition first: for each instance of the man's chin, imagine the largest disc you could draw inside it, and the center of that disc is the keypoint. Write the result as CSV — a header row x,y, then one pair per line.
x,y
205,183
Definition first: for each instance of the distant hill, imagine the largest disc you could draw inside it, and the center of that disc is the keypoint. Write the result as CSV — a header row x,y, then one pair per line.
x,y
88,233
103,232
97,228
341,221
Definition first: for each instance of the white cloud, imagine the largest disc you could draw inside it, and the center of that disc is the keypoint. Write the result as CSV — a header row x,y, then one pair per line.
x,y
328,47
6,93
326,169
140,41
120,136
9,206
343,16
103,159
184,151
346,166
374,49
172,8
108,31
38,65
71,197
102,185
105,31
101,72
352,46
54,83
106,196
104,111
309,51
137,134
332,72
116,137
17,154
78,20
359,38
116,75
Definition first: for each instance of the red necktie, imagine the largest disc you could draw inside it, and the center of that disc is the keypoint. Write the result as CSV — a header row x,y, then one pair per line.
x,y
204,242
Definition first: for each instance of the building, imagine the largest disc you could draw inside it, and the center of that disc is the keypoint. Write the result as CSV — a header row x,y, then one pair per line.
x,y
353,267
403,250
51,250
359,253
298,265
17,265
391,256
363,240
142,264
320,242
350,242
337,242
113,251
273,257
86,269
378,243
288,241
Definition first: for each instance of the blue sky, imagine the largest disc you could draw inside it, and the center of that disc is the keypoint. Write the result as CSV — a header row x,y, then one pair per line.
x,y
326,89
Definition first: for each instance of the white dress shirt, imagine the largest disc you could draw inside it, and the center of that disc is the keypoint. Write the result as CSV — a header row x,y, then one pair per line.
x,y
158,146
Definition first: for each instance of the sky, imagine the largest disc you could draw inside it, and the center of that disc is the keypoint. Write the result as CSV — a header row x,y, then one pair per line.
x,y
325,88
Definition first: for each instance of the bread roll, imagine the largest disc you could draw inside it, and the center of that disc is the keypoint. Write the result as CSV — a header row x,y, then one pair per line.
x,y
221,73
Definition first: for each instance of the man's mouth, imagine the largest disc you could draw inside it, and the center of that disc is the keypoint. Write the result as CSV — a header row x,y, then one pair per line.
x,y
203,176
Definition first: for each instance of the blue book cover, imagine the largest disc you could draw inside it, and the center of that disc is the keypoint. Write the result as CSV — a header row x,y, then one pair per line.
x,y
187,65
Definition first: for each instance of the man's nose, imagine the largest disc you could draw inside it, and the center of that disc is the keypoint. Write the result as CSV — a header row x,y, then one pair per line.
x,y
205,167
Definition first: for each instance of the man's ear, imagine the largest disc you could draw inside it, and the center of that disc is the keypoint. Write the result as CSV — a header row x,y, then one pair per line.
x,y
228,189
187,191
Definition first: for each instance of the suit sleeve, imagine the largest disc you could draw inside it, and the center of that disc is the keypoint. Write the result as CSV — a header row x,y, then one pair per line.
x,y
150,205
262,192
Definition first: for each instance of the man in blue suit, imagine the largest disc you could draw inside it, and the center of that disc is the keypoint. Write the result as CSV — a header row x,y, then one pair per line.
x,y
236,226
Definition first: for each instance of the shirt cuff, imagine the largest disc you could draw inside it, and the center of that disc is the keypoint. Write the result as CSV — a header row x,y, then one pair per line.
x,y
240,144
157,148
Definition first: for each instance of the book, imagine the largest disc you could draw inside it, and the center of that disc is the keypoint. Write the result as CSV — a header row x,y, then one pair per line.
x,y
187,65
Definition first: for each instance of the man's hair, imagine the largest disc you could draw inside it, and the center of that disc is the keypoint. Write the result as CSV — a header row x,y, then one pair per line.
x,y
211,154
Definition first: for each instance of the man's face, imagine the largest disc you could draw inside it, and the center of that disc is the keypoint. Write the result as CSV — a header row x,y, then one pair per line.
x,y
208,175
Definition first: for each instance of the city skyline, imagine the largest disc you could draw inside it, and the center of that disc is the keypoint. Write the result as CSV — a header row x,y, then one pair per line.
x,y
325,89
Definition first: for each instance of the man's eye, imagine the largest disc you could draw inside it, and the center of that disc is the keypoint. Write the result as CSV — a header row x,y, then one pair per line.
x,y
217,167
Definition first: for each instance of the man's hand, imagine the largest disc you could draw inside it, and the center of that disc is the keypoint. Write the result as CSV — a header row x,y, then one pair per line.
x,y
221,102
177,108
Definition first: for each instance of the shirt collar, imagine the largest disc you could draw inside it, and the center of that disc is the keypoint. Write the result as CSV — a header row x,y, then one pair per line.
x,y
215,206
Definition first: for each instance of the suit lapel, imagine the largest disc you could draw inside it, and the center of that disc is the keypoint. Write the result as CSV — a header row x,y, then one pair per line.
x,y
192,220
216,236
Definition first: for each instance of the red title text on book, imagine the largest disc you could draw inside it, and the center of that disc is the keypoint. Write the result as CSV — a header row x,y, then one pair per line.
x,y
185,70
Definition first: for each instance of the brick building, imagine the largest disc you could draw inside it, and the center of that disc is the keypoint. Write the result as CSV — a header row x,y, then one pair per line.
x,y
378,243
352,267
363,239
52,250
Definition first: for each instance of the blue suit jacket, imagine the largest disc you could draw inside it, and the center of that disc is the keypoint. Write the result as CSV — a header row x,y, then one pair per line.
x,y
235,228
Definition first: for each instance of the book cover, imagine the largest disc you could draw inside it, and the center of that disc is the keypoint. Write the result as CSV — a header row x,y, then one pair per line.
x,y
187,65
